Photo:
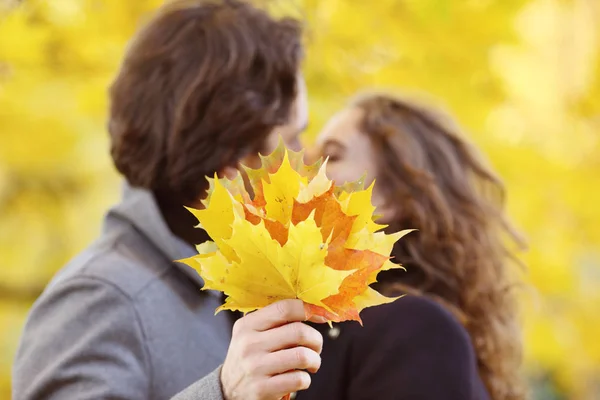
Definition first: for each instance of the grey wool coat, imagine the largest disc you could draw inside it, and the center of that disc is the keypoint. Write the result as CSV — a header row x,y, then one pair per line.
x,y
123,321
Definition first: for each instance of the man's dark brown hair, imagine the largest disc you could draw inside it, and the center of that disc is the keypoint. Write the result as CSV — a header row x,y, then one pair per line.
x,y
202,85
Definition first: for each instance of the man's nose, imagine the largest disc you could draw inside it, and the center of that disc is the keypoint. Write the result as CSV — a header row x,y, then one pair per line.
x,y
311,155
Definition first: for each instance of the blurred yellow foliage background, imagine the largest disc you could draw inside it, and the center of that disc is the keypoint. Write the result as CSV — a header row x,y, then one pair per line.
x,y
522,76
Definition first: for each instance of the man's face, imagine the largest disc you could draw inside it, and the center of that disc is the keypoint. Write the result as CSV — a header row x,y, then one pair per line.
x,y
290,132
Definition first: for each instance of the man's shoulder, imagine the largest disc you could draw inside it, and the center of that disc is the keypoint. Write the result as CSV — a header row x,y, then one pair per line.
x,y
120,259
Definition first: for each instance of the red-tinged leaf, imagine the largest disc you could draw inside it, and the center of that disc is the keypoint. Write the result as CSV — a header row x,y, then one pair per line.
x,y
250,216
335,225
349,314
365,262
275,228
341,258
328,215
259,198
277,231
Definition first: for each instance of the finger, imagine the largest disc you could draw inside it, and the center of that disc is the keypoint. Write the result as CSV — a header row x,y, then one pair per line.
x,y
318,319
289,382
310,316
276,314
301,358
291,335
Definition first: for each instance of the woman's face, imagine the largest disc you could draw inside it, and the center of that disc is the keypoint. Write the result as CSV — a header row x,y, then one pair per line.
x,y
350,152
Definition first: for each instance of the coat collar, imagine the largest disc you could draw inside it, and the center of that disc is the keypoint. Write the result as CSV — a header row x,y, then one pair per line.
x,y
139,208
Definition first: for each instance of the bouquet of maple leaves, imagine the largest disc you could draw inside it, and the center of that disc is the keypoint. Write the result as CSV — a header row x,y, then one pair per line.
x,y
297,237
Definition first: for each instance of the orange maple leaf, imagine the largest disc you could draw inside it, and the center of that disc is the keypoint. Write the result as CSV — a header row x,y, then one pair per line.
x,y
293,235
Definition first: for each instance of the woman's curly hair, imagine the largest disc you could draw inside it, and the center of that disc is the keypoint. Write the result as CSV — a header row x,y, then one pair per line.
x,y
437,183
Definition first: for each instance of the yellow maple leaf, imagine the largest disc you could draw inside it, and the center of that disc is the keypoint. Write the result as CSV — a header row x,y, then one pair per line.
x,y
304,256
378,242
218,215
297,236
316,187
235,186
281,190
370,298
359,203
265,271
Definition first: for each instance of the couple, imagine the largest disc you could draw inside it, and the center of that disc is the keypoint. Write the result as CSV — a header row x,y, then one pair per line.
x,y
204,87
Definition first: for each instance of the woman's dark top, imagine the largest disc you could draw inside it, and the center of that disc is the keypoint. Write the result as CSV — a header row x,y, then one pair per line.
x,y
412,349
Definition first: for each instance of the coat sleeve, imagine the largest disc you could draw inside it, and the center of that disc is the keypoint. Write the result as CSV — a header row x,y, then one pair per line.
x,y
414,349
207,388
82,340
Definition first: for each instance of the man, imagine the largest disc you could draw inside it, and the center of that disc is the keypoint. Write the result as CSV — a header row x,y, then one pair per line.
x,y
204,86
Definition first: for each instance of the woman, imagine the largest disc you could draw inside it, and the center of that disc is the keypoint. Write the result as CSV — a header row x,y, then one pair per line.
x,y
455,335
